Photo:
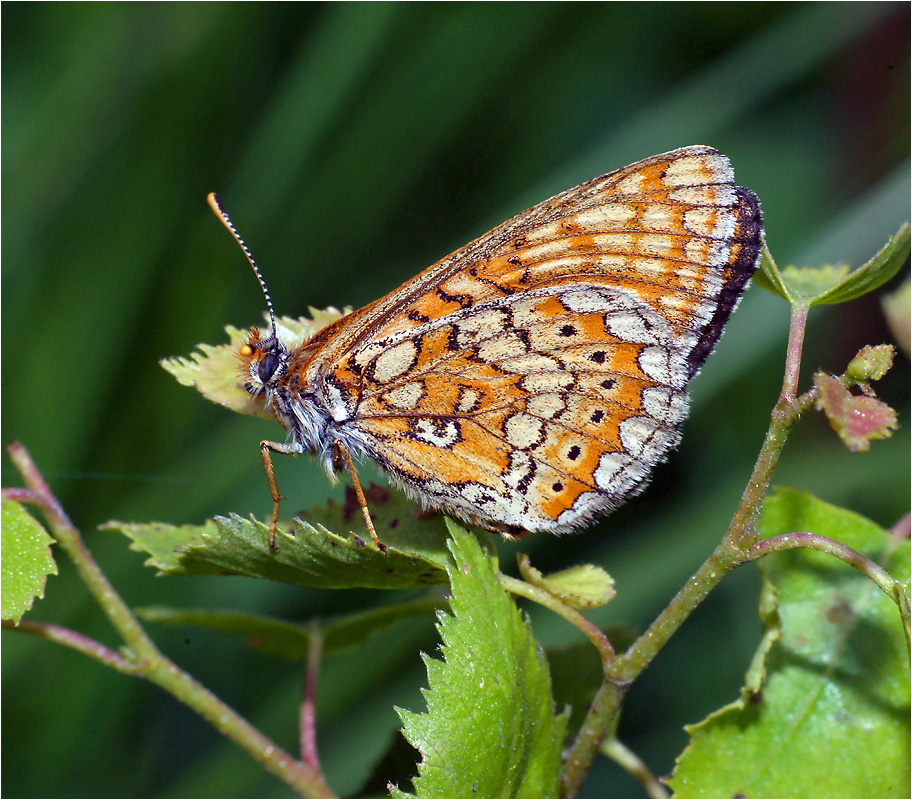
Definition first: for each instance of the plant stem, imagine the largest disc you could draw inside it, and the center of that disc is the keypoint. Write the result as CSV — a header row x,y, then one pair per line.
x,y
308,731
797,325
874,572
792,541
602,713
540,596
20,495
75,641
631,762
638,656
786,412
902,527
741,534
71,543
143,656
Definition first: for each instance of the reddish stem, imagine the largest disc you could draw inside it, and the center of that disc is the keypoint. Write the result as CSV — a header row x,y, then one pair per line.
x,y
76,641
309,753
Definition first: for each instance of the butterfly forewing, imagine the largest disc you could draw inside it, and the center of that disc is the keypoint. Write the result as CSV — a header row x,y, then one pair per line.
x,y
532,379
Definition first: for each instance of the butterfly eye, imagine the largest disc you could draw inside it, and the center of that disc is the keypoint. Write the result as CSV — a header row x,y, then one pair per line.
x,y
267,367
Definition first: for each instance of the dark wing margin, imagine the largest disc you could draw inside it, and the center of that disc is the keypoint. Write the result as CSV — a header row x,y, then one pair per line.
x,y
747,242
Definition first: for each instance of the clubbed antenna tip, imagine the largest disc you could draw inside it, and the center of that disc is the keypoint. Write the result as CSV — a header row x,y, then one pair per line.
x,y
216,205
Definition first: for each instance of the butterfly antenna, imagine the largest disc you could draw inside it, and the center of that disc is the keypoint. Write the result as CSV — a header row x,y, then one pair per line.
x,y
215,204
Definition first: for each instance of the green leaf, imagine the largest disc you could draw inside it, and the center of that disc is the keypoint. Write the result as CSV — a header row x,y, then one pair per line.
x,y
311,555
289,640
26,558
490,729
806,284
582,586
768,276
829,283
798,284
825,709
872,275
165,543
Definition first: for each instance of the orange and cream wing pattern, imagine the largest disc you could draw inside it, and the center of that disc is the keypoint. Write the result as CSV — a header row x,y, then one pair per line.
x,y
531,380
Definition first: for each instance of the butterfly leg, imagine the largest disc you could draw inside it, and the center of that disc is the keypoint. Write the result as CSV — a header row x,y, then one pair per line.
x,y
341,450
265,449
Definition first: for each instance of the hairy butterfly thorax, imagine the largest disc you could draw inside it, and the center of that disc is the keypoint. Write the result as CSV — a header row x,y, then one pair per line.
x,y
531,380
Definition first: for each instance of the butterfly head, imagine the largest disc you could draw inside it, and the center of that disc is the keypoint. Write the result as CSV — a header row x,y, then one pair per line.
x,y
264,362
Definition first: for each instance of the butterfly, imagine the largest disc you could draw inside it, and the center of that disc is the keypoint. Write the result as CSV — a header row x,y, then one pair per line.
x,y
532,379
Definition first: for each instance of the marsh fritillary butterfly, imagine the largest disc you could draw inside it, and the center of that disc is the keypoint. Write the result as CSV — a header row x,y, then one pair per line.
x,y
531,380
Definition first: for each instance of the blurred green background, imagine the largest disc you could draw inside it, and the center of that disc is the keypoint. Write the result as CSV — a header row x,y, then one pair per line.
x,y
354,145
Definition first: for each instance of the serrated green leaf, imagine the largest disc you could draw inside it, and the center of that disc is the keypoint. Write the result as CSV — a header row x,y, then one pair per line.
x,y
289,640
490,729
830,716
26,558
310,556
163,542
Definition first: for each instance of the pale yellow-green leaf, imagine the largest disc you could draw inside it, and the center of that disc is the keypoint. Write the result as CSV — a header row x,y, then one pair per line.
x,y
213,370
